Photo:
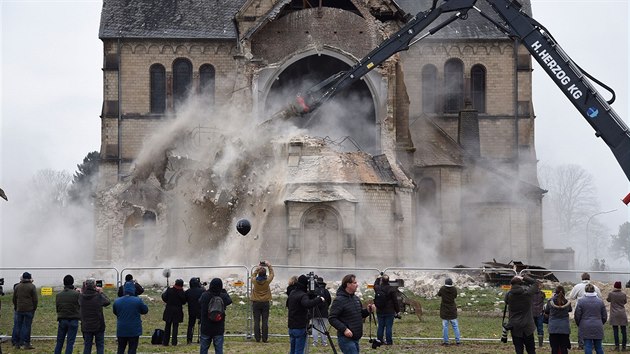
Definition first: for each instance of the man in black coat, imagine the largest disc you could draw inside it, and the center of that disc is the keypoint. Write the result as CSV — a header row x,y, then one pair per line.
x,y
521,320
92,300
386,313
175,299
346,315
299,303
192,299
212,332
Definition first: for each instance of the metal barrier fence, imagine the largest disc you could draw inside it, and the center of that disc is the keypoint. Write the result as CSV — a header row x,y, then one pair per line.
x,y
47,276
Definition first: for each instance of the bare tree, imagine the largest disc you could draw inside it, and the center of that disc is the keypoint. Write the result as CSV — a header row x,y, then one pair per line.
x,y
620,243
571,196
50,189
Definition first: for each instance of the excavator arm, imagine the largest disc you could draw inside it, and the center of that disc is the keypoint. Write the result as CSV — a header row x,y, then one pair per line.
x,y
567,75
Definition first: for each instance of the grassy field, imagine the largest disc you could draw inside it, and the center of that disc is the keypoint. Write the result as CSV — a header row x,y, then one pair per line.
x,y
479,319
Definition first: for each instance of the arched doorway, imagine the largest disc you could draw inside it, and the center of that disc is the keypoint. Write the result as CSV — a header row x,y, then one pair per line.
x,y
321,238
351,112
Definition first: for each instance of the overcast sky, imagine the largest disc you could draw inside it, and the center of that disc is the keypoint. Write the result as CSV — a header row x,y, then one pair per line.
x,y
51,92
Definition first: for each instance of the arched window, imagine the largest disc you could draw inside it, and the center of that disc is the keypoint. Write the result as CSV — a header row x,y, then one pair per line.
x,y
158,88
478,83
207,82
453,85
429,93
182,80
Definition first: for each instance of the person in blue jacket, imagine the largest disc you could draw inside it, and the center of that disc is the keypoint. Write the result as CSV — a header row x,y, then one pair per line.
x,y
129,324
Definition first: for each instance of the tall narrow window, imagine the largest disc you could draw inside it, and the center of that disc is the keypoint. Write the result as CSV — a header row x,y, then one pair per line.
x,y
158,88
207,83
429,94
182,80
453,86
478,83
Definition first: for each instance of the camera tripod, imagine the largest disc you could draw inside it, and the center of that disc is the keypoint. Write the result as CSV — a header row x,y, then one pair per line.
x,y
316,317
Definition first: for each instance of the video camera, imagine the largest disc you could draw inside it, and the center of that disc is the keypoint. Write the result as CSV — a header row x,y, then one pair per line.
x,y
99,283
312,281
1,284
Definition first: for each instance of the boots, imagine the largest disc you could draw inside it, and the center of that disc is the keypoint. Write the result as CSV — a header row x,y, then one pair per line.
x,y
616,349
540,341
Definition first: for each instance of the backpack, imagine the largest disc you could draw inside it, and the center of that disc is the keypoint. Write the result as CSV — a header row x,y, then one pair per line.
x,y
380,297
216,309
156,338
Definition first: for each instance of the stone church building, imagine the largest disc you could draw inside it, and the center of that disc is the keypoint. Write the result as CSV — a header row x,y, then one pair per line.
x,y
428,160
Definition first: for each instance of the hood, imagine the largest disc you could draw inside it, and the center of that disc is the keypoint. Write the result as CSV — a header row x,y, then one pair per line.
x,y
553,304
216,285
129,288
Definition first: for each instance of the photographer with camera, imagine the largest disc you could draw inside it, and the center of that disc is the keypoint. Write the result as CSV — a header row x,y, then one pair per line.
x,y
261,298
387,307
346,315
298,303
91,302
137,287
520,319
320,314
194,311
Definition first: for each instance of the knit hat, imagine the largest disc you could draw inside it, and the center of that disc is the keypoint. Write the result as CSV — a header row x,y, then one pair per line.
x,y
26,276
68,280
448,282
128,277
179,282
617,285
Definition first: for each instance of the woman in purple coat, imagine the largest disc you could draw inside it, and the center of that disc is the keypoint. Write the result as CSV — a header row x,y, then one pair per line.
x,y
618,317
590,316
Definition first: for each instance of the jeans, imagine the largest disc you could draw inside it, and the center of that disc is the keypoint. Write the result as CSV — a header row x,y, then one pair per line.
x,y
590,343
24,322
298,340
261,309
624,335
66,328
98,337
385,323
455,326
133,344
15,334
320,325
348,345
527,342
538,320
205,344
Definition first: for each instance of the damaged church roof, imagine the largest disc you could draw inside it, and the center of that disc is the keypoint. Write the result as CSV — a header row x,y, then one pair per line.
x,y
319,163
191,19
310,193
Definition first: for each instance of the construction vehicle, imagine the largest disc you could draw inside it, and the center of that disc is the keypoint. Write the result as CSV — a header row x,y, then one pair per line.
x,y
567,75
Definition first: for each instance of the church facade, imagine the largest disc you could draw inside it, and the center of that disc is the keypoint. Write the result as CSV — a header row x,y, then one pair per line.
x,y
441,169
